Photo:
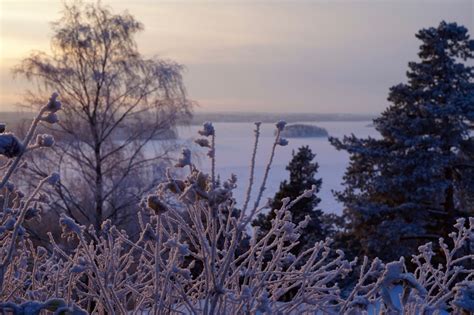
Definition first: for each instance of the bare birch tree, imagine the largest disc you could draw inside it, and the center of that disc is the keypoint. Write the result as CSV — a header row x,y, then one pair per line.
x,y
115,103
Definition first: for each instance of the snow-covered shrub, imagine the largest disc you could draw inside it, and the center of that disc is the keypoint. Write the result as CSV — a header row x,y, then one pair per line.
x,y
108,272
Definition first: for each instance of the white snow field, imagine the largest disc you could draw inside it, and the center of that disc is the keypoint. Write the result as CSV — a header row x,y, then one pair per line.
x,y
234,143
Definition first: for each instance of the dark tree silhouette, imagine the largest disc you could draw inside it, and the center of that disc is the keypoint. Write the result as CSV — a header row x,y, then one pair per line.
x,y
302,177
409,186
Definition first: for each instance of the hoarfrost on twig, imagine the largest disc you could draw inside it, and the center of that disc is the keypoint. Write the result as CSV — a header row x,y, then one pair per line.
x,y
188,255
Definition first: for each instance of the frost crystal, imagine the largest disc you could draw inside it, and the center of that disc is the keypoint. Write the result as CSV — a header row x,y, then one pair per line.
x,y
45,140
32,213
154,203
183,249
69,225
53,105
10,146
53,179
185,158
282,142
263,305
280,125
51,118
207,129
464,298
203,143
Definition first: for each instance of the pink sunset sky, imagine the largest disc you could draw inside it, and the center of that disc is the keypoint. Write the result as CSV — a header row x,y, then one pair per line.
x,y
265,56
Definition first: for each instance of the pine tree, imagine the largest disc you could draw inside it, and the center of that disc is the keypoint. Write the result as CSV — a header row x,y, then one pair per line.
x,y
406,188
302,177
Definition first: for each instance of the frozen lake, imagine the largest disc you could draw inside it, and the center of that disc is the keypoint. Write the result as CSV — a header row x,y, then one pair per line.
x,y
234,142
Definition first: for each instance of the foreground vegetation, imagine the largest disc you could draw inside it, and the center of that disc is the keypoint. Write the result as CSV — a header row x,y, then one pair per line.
x,y
108,272
91,223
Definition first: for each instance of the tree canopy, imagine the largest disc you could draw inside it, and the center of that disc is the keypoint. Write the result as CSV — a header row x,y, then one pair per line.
x,y
407,186
303,172
115,102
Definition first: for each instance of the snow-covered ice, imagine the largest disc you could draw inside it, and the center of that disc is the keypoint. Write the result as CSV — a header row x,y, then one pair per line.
x,y
234,142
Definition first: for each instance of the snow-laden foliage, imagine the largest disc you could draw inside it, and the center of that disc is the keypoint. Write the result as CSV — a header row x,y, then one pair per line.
x,y
109,273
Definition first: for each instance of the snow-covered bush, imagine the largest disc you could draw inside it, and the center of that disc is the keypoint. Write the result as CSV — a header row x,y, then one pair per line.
x,y
110,273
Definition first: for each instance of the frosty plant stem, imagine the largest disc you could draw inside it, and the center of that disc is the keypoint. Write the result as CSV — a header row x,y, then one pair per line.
x,y
51,107
213,159
25,143
280,126
19,221
241,227
252,168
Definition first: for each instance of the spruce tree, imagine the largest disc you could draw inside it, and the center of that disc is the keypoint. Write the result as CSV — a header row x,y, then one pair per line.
x,y
406,188
302,176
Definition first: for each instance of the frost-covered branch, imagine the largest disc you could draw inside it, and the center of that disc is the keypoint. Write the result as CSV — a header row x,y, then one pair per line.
x,y
193,256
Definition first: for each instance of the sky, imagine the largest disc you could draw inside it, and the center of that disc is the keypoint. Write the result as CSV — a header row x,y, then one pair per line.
x,y
317,56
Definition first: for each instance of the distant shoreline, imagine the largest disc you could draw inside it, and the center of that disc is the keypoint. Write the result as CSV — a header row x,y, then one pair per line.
x,y
232,117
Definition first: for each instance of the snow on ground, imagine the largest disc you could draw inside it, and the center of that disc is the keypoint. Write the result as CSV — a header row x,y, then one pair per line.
x,y
234,143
